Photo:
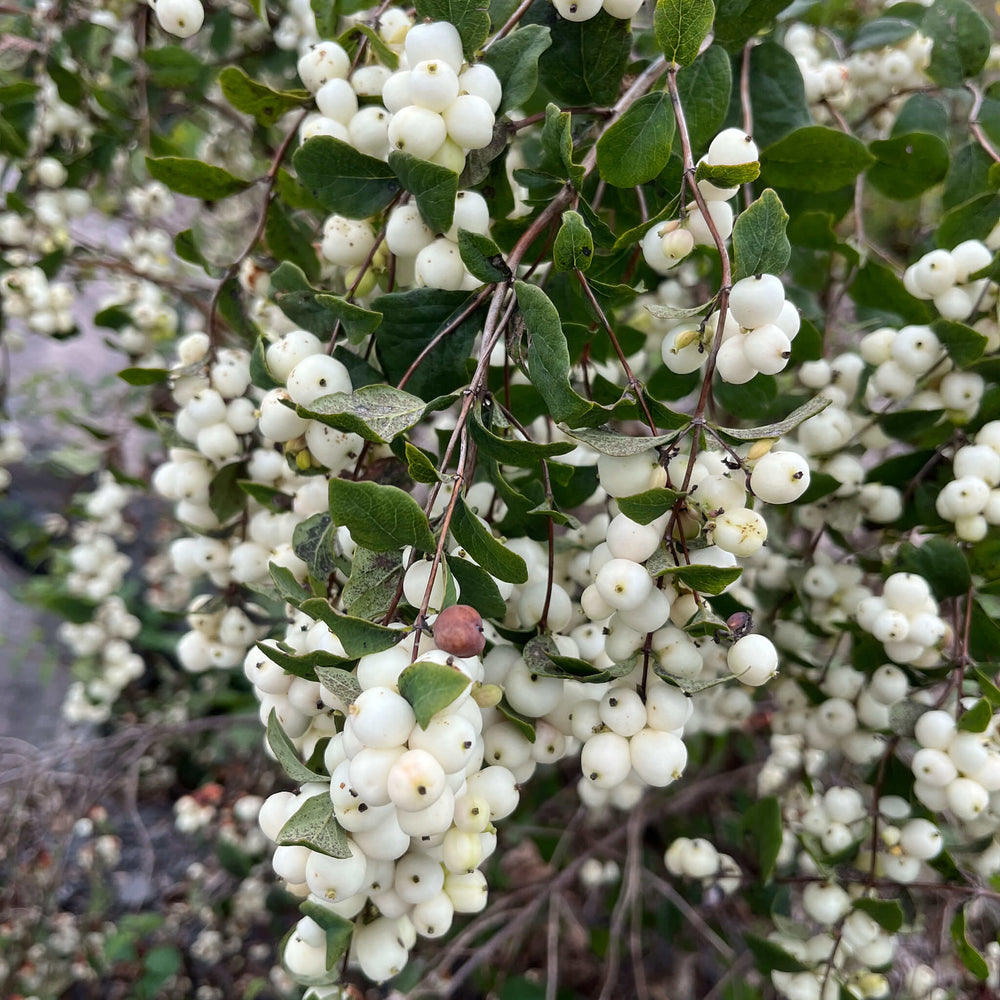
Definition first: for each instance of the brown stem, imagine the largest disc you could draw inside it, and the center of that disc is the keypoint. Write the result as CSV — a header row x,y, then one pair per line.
x,y
233,269
635,386
975,127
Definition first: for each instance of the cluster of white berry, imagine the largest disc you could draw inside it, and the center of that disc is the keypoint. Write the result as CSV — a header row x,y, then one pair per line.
x,y
432,107
905,620
824,79
96,572
768,324
957,771
417,803
152,318
296,29
699,859
945,276
971,501
584,10
44,306
878,75
666,244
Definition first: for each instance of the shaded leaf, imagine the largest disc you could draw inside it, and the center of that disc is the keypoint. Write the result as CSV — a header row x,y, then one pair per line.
x,y
434,187
194,178
267,106
314,825
286,754
489,552
343,179
431,687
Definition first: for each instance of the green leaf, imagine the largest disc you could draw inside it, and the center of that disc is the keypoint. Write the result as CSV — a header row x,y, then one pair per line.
x,y
314,825
940,562
374,579
738,20
317,311
482,257
763,821
887,913
410,321
172,66
194,178
523,723
268,496
879,287
727,176
312,542
511,450
781,427
380,518
488,551
358,636
144,376
420,467
777,93
990,691
478,588
984,634
471,17
968,955
327,13
681,26
338,929
289,238
972,220
907,165
760,244
618,445
542,656
514,59
385,55
343,683
225,498
302,665
344,180
557,147
574,245
636,148
703,579
434,187
677,312
548,356
792,161
644,508
289,589
977,718
961,38
186,247
259,374
431,687
704,89
587,59
881,32
267,106
376,412
963,344
770,957
286,754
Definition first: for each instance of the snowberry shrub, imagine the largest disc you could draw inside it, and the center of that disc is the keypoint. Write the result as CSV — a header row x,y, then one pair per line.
x,y
563,388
